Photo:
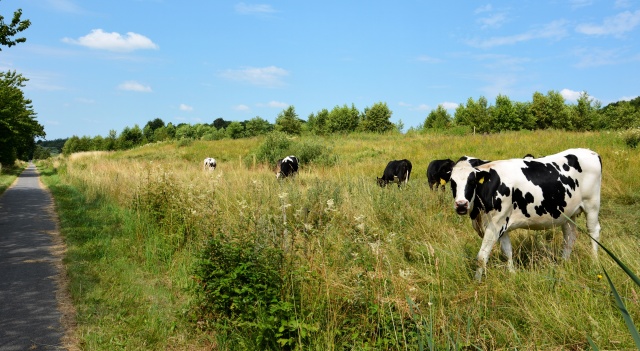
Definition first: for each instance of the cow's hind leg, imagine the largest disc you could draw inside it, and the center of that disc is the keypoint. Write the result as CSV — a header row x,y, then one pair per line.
x,y
593,225
507,250
569,237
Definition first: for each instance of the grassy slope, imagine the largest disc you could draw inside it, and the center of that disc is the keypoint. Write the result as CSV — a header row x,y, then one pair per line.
x,y
359,244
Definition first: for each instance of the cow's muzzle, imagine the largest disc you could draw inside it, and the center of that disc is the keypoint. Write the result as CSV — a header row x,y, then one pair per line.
x,y
462,207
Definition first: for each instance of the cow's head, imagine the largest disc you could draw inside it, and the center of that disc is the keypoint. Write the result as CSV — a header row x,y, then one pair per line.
x,y
463,186
382,182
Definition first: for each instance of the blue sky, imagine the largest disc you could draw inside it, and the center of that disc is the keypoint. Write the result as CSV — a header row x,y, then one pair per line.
x,y
98,65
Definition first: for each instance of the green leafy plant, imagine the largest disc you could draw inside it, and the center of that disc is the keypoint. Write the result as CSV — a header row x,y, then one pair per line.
x,y
631,137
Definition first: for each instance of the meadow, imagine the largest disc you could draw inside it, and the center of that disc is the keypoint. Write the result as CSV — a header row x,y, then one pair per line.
x,y
162,255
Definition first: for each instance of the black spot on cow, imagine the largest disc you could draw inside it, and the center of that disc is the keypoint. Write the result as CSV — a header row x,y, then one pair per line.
x,y
521,201
546,176
489,188
572,160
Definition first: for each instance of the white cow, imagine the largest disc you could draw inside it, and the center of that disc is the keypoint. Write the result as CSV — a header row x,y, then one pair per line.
x,y
210,164
530,193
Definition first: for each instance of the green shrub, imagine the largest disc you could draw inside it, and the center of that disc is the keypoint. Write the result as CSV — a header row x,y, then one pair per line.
x,y
631,137
240,287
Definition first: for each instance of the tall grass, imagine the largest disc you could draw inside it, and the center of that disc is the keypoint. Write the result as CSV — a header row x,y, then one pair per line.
x,y
365,267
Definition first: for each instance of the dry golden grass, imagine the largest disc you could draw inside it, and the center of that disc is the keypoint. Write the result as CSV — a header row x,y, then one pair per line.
x,y
363,245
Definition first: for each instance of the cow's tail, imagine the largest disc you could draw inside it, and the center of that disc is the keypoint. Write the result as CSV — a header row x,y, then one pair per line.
x,y
406,178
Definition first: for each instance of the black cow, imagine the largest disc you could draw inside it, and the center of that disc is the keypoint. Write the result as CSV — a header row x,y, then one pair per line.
x,y
396,171
287,166
439,172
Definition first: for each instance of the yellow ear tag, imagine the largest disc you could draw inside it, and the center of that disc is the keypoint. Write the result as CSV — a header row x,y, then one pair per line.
x,y
481,180
442,181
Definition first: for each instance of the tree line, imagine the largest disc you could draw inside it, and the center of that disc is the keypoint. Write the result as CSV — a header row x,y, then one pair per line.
x,y
545,111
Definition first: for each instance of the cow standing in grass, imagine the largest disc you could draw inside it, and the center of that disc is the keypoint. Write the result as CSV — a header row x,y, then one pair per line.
x,y
396,171
286,167
439,173
529,193
210,164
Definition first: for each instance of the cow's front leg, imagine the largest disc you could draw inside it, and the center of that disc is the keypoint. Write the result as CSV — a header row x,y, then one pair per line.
x,y
569,238
505,245
489,240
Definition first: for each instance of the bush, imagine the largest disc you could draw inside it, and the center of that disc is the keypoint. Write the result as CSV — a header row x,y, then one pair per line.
x,y
631,137
240,286
275,146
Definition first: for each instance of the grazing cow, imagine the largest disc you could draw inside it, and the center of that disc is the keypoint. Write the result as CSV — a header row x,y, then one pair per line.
x,y
439,172
529,193
396,171
287,166
210,163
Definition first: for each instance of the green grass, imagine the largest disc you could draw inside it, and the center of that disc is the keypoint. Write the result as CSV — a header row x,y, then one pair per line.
x,y
365,267
8,175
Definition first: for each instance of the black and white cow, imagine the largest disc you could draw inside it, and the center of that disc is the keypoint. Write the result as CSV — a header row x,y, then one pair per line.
x,y
439,172
210,164
396,171
287,166
529,193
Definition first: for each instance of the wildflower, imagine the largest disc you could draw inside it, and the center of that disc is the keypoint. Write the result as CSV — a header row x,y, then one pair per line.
x,y
599,276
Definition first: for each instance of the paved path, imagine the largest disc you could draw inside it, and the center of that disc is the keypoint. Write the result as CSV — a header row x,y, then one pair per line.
x,y
29,315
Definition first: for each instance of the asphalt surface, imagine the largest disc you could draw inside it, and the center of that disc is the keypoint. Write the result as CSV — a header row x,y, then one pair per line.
x,y
29,315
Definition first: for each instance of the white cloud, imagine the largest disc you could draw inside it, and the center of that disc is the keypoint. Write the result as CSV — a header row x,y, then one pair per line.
x,y
98,39
573,96
277,104
485,8
576,4
184,107
270,77
449,105
67,6
594,57
134,86
250,9
421,107
615,25
553,30
428,59
570,95
622,4
493,21
241,108
628,98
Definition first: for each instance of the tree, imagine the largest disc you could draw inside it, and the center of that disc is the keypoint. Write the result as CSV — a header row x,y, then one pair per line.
x,y
475,115
150,128
130,137
438,119
583,115
7,31
377,118
343,119
18,125
318,123
504,115
220,123
235,130
288,121
257,126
